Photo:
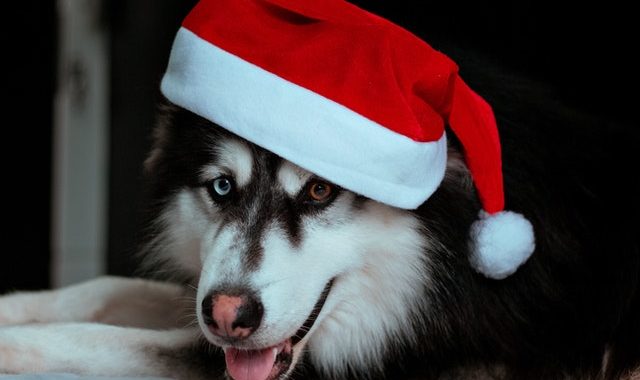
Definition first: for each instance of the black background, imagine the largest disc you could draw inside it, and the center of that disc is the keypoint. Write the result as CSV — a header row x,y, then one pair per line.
x,y
585,51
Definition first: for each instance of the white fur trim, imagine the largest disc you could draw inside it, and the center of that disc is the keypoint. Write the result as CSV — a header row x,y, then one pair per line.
x,y
501,243
302,126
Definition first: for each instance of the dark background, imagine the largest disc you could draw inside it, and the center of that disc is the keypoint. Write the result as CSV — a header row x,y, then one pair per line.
x,y
584,51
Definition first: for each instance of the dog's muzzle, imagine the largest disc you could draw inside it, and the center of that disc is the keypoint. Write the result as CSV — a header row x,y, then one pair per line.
x,y
268,363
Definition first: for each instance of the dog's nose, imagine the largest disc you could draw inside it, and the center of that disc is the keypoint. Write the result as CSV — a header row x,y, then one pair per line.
x,y
232,316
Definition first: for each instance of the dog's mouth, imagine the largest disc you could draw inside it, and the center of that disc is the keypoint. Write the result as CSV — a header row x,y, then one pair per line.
x,y
271,363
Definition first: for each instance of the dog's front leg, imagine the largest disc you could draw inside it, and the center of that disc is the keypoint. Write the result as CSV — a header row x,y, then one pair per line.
x,y
111,300
105,350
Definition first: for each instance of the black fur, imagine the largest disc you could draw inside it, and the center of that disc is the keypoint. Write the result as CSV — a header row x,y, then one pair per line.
x,y
578,294
573,304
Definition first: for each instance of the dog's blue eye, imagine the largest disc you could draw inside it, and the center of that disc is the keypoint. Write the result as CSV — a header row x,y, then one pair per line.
x,y
221,188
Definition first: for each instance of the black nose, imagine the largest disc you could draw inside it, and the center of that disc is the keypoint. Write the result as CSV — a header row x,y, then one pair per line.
x,y
232,313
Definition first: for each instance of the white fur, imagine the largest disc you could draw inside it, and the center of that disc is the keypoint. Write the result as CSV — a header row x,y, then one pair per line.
x,y
501,243
183,224
221,256
292,177
374,302
235,159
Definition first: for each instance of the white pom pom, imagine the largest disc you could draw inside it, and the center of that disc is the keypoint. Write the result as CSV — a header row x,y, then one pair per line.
x,y
501,243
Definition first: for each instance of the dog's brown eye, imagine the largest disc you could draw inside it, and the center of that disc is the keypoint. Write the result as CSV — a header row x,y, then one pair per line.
x,y
320,191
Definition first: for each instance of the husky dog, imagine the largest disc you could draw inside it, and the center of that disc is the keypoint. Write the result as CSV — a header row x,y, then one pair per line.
x,y
295,277
280,274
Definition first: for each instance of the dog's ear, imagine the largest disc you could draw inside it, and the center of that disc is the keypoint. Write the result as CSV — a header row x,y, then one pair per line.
x,y
161,135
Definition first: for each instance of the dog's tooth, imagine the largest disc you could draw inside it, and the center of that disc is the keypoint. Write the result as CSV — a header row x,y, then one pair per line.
x,y
275,352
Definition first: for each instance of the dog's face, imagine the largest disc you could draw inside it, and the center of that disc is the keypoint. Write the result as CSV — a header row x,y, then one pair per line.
x,y
284,261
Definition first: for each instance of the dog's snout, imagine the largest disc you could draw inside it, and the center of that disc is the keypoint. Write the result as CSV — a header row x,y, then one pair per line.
x,y
232,315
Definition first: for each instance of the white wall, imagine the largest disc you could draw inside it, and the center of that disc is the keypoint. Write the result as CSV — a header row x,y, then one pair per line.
x,y
79,215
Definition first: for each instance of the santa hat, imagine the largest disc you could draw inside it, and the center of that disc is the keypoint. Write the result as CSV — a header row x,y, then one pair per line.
x,y
351,97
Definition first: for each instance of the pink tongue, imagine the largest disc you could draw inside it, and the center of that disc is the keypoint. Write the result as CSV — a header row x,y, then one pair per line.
x,y
249,365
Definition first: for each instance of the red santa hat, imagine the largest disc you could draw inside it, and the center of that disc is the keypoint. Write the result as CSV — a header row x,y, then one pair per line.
x,y
351,97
